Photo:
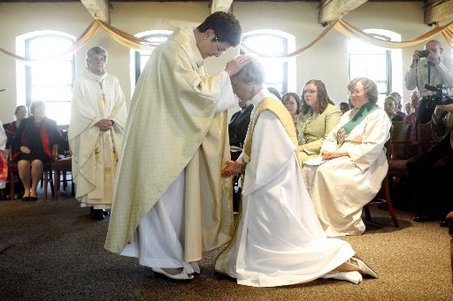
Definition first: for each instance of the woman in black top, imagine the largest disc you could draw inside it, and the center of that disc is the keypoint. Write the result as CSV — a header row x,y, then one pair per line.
x,y
33,147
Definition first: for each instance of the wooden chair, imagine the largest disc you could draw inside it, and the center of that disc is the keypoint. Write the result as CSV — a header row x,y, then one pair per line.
x,y
396,146
61,167
397,155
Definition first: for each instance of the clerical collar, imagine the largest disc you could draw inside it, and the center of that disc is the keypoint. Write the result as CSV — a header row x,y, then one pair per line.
x,y
263,93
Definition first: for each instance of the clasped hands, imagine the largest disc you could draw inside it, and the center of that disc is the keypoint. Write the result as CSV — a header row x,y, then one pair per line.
x,y
25,150
232,168
105,124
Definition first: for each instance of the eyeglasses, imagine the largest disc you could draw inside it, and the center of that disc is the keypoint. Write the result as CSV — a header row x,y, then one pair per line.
x,y
356,92
310,91
97,59
219,49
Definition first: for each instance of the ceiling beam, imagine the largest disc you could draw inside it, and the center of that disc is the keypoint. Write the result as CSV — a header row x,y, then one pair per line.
x,y
438,11
221,5
332,10
98,9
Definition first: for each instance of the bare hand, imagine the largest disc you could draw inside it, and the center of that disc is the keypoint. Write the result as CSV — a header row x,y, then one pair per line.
x,y
415,58
232,168
333,155
438,110
25,150
449,107
104,124
236,64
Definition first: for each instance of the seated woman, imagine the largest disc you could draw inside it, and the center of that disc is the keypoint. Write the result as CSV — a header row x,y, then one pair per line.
x,y
278,240
32,147
3,162
390,107
292,103
11,128
354,163
321,117
411,113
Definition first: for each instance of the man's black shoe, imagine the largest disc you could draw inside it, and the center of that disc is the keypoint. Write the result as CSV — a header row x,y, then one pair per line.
x,y
98,214
443,224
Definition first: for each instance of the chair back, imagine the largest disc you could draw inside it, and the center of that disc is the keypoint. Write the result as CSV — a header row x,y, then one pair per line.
x,y
425,136
399,139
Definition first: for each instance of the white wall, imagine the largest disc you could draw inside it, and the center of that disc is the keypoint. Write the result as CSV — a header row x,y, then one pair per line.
x,y
327,60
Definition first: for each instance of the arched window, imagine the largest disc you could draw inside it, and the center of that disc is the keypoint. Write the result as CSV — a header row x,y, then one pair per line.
x,y
50,80
139,59
379,64
280,73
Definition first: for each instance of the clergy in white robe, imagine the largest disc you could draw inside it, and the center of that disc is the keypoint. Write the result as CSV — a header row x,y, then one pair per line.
x,y
353,163
279,240
98,118
171,203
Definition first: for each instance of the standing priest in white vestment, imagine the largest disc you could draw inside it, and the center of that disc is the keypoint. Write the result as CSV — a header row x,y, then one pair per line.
x,y
98,118
279,240
171,203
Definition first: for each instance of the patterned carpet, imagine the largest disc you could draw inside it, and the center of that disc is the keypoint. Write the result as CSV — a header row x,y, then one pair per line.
x,y
56,253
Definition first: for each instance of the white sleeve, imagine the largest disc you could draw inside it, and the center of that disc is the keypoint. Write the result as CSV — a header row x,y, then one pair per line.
x,y
227,99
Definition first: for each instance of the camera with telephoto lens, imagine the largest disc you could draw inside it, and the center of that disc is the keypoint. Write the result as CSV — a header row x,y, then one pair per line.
x,y
441,97
423,53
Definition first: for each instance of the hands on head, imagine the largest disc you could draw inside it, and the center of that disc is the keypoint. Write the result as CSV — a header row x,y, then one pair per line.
x,y
236,64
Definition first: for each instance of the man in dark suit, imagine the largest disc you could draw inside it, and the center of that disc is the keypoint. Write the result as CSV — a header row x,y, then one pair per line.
x,y
237,129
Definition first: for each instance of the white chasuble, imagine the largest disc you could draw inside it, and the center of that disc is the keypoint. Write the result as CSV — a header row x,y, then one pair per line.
x,y
175,145
94,152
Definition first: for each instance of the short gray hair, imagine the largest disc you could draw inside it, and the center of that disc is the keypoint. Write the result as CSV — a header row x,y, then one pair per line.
x,y
253,72
36,104
96,51
369,87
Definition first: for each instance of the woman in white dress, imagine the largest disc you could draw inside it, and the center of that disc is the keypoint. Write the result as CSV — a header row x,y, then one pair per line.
x,y
354,163
278,240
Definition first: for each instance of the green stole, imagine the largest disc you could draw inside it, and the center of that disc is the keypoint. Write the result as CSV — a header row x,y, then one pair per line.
x,y
346,129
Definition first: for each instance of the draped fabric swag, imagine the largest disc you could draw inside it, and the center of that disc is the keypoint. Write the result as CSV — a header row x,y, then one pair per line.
x,y
341,26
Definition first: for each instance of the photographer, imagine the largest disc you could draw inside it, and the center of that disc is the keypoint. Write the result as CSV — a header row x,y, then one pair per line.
x,y
427,69
430,172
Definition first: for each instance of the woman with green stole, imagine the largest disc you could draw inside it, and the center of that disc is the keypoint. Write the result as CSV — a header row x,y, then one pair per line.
x,y
353,163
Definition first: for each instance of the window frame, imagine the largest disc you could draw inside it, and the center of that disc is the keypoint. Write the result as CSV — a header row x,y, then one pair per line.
x,y
24,76
289,80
